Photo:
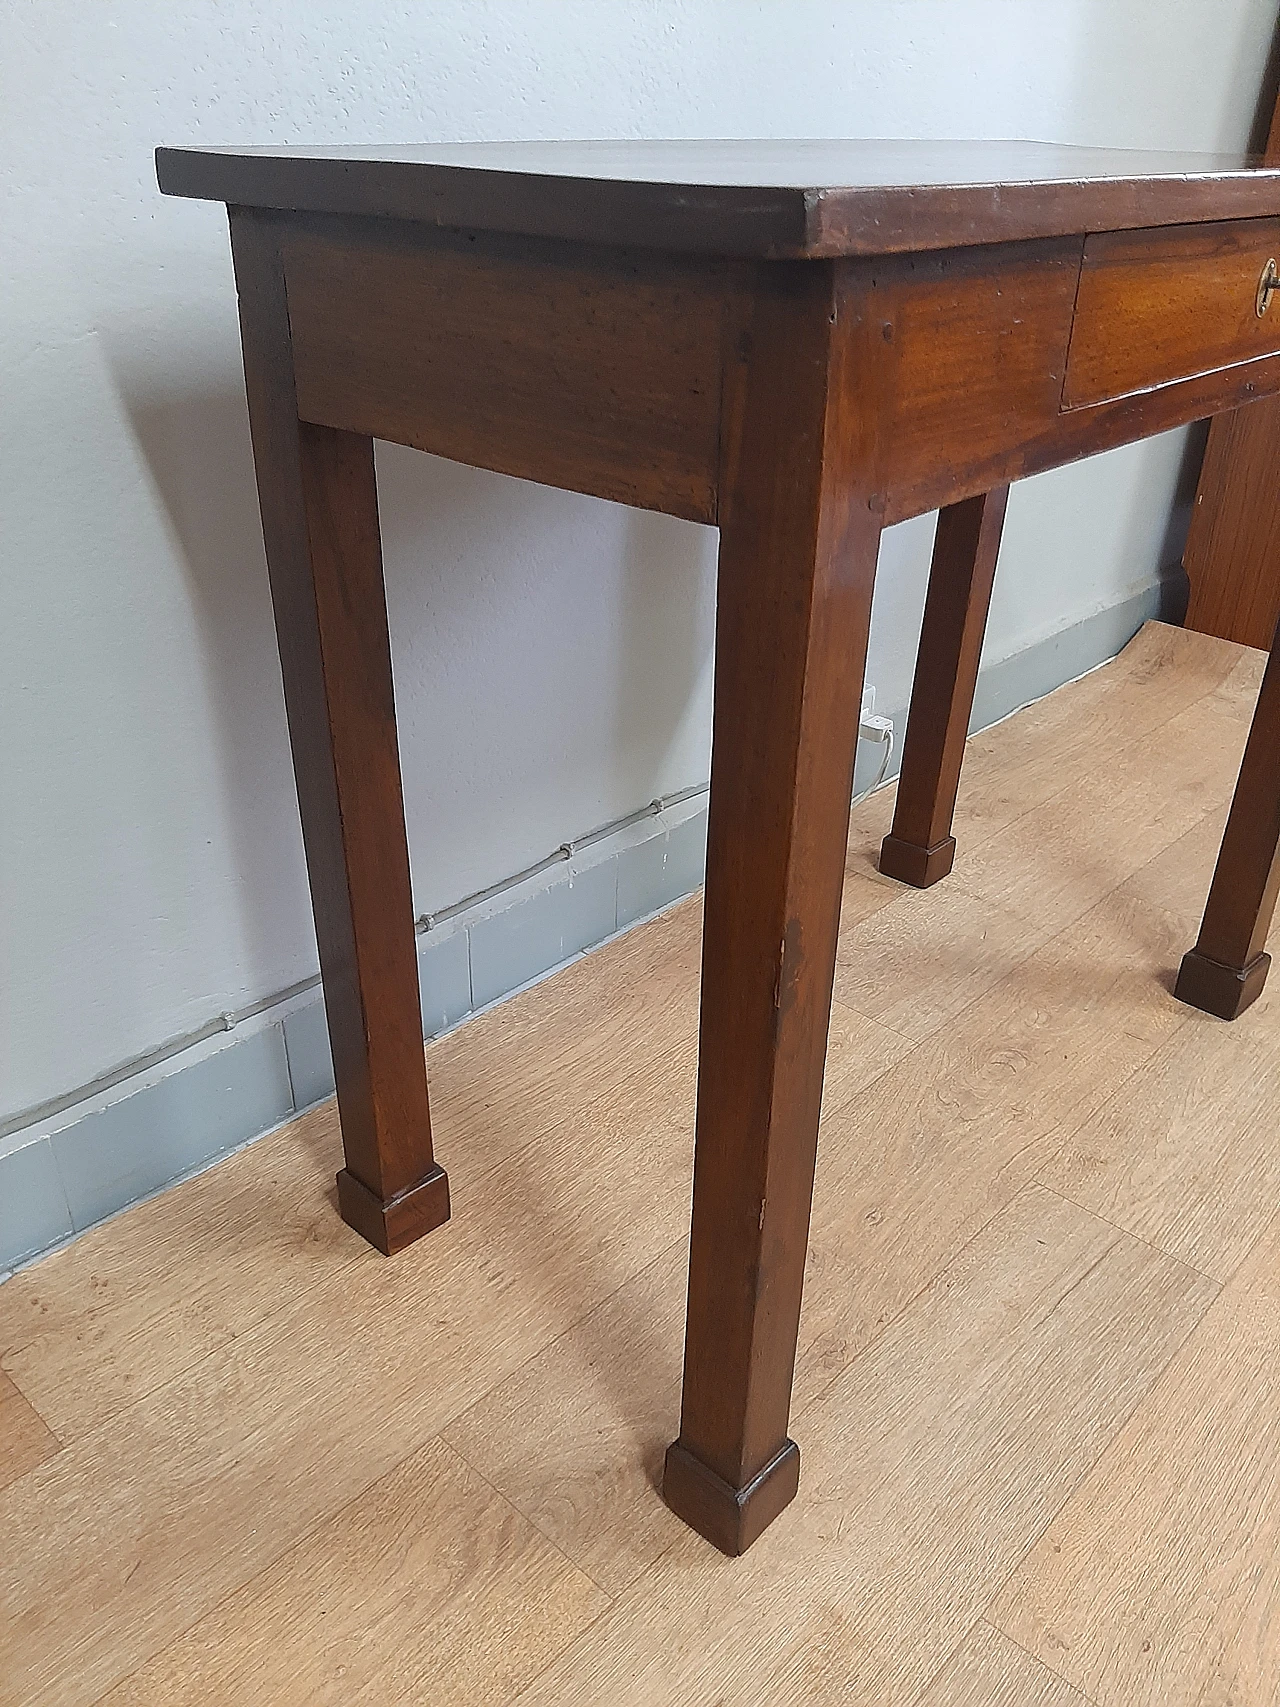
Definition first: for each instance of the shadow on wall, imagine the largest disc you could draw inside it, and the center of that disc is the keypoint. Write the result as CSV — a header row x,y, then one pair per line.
x,y
196,444
552,654
668,622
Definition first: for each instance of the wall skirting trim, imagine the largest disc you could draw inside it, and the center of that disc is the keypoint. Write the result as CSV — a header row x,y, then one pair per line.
x,y
178,1115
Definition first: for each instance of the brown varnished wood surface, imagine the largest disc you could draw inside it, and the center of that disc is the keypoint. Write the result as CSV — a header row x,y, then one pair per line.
x,y
324,558
800,403
980,340
575,366
797,567
749,198
1226,970
602,370
1233,543
920,847
1156,306
977,342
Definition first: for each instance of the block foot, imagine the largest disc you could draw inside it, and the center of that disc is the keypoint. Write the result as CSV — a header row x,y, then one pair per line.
x,y
1216,989
392,1225
919,867
730,1518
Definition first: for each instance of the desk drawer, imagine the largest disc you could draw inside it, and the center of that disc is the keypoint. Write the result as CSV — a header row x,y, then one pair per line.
x,y
1166,304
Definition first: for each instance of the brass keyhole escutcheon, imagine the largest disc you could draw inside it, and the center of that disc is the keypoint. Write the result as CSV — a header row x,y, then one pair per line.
x,y
1268,284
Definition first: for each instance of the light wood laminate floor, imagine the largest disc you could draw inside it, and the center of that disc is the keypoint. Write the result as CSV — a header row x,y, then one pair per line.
x,y
245,1459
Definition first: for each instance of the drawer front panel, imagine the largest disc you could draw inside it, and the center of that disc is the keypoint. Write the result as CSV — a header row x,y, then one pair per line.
x,y
1163,305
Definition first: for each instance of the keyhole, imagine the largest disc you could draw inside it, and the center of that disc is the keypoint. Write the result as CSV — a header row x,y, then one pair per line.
x,y
1268,284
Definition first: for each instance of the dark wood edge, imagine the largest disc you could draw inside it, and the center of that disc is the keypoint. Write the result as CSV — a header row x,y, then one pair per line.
x,y
791,222
920,867
899,220
745,222
1224,991
730,1518
390,1226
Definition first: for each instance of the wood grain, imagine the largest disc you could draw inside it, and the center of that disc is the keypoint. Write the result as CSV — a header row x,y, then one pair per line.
x,y
98,1326
1234,538
799,539
1054,860
1224,973
1235,522
94,1328
577,367
917,964
960,1126
920,848
623,1021
1160,306
978,346
932,1464
962,1362
1184,1155
778,198
25,1438
1158,1585
319,505
146,1522
988,1670
575,1438
1052,746
380,1604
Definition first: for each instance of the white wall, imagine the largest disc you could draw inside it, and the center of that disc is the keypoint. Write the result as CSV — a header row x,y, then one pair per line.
x,y
552,653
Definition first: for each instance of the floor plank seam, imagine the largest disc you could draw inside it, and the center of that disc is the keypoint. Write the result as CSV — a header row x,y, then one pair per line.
x,y
951,1259
1036,1660
1038,1180
526,1517
1106,1447
332,1516
550,1345
956,879
522,1516
1051,1102
284,1301
1159,1250
949,1019
266,1565
580,1635
26,1398
830,1110
360,1255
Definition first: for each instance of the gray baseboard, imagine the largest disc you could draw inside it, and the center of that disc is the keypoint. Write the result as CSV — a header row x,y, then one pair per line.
x,y
59,1178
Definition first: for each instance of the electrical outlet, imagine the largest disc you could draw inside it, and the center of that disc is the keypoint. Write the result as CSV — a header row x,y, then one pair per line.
x,y
875,731
871,727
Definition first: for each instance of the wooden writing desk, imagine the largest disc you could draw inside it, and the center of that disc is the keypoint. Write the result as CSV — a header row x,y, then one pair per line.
x,y
800,342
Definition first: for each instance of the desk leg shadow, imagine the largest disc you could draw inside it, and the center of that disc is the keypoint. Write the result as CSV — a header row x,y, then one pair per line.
x,y
1225,972
920,848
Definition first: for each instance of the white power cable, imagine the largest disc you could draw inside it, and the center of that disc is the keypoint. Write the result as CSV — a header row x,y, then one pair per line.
x,y
874,728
